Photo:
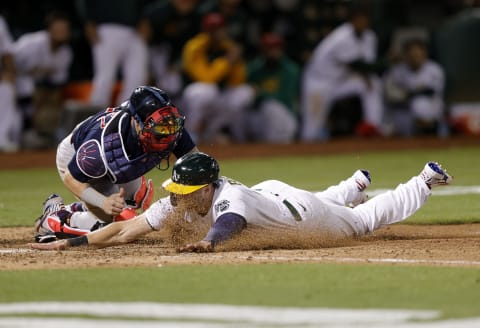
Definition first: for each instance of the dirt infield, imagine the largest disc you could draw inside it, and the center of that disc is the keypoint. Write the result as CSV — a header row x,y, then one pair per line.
x,y
456,245
452,245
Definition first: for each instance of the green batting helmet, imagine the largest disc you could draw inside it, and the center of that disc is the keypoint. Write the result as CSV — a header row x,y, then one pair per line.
x,y
192,172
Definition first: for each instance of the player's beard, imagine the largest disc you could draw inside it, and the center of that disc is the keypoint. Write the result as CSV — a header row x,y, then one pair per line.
x,y
195,202
200,204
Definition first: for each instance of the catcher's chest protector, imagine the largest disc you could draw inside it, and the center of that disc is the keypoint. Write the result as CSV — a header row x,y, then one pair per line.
x,y
121,169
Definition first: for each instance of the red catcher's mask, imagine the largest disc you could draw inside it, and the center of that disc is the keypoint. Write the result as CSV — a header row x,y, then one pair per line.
x,y
161,130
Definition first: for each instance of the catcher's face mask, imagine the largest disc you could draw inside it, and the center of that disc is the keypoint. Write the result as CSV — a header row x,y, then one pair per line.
x,y
161,130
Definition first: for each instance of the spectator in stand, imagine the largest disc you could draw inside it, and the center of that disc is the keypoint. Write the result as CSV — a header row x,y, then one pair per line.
x,y
10,123
218,96
42,61
173,23
342,65
275,79
236,19
117,35
414,91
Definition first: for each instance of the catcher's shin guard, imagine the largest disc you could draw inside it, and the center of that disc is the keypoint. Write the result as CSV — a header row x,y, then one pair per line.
x,y
144,195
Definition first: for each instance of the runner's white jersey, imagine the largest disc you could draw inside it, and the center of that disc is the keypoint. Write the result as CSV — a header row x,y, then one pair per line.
x,y
270,204
261,205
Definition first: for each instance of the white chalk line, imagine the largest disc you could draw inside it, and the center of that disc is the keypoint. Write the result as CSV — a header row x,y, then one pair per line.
x,y
92,323
9,322
440,191
183,257
14,250
220,313
214,315
268,258
358,259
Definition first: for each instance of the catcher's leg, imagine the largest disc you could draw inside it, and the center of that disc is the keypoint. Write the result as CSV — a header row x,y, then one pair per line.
x,y
47,224
138,194
90,221
59,221
55,222
94,214
57,226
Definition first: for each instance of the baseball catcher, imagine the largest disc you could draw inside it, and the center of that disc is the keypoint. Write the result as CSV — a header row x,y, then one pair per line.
x,y
103,162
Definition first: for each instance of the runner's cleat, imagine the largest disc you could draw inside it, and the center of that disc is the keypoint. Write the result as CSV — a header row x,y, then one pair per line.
x,y
362,180
434,175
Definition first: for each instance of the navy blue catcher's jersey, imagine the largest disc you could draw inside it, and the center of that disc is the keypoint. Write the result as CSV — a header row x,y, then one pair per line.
x,y
95,147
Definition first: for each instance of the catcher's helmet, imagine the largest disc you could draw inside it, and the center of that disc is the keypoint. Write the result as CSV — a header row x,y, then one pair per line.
x,y
144,100
160,122
192,172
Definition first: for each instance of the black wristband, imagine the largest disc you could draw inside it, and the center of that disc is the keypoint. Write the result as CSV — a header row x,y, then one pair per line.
x,y
78,241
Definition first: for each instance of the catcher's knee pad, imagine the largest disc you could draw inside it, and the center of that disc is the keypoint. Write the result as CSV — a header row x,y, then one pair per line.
x,y
144,195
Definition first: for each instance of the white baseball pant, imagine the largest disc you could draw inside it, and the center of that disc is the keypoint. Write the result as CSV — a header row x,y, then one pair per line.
x,y
166,77
318,96
10,124
390,207
427,108
119,46
273,122
206,104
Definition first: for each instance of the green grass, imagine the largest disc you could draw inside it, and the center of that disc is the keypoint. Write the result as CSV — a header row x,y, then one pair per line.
x,y
453,291
23,191
387,168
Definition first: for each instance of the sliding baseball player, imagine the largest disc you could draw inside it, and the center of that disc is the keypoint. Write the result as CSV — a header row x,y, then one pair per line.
x,y
197,191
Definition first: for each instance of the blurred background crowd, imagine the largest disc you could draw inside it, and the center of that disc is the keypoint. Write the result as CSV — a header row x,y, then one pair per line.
x,y
276,71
